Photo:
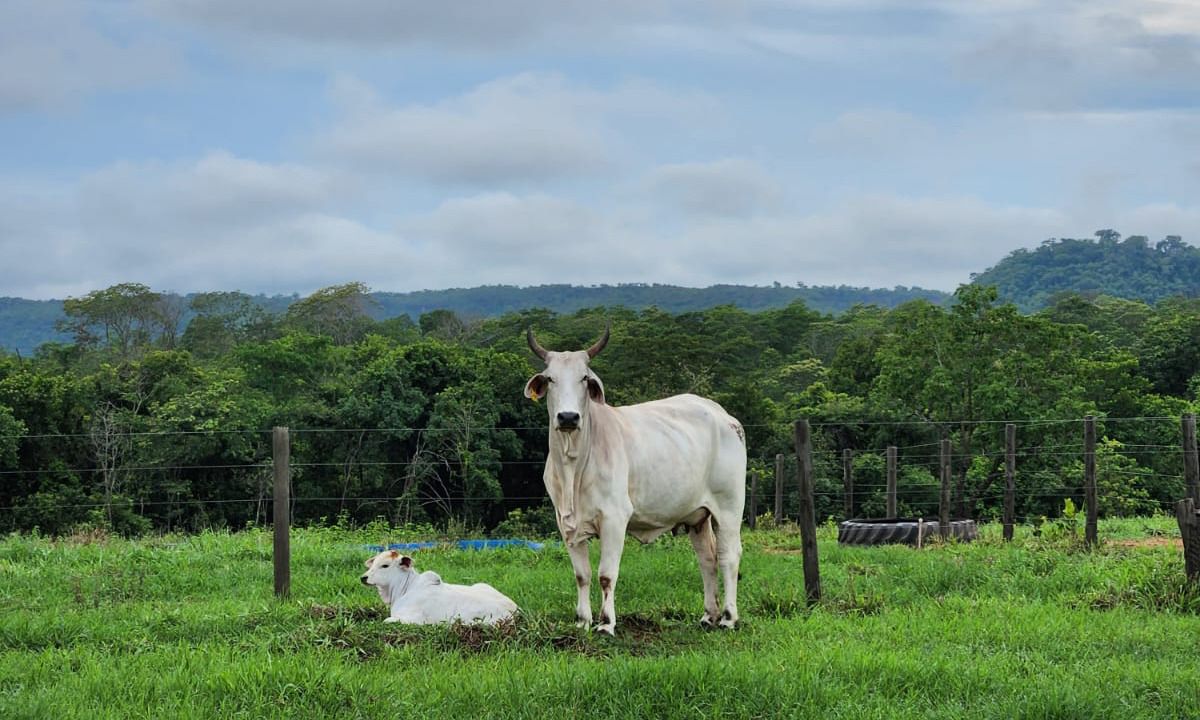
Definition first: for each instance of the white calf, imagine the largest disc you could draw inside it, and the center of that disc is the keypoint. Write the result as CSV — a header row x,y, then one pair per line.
x,y
423,599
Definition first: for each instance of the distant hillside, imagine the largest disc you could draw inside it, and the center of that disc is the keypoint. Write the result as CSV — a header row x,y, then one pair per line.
x,y
25,324
499,299
1131,268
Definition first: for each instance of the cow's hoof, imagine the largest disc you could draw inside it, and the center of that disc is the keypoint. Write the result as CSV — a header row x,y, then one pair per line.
x,y
708,622
583,623
610,629
728,621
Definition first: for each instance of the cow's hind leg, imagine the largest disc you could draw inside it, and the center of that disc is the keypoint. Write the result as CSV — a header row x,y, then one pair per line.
x,y
728,529
612,544
583,582
705,546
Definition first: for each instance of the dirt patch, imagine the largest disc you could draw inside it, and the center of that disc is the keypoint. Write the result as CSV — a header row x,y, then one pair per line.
x,y
782,551
1150,542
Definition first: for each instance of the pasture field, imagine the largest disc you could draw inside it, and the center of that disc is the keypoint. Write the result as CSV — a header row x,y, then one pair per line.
x,y
186,626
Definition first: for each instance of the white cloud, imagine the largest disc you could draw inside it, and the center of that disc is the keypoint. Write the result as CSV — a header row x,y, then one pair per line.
x,y
218,190
528,127
53,52
467,24
732,186
1115,54
219,222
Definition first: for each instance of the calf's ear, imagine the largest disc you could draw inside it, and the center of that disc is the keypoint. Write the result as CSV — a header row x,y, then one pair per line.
x,y
536,387
406,562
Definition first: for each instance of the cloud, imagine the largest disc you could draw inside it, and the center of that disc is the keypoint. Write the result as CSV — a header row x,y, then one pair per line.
x,y
218,222
1116,54
52,52
876,240
477,24
524,128
872,131
732,186
218,190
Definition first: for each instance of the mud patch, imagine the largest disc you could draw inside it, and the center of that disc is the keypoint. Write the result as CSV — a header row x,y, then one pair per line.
x,y
1150,542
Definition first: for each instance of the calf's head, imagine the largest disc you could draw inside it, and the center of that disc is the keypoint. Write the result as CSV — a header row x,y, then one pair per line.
x,y
567,383
389,572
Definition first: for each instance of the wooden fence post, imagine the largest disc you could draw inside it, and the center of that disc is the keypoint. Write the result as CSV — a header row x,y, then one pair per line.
x,y
281,452
944,502
1189,529
1089,479
891,481
808,522
848,482
1191,467
778,489
1010,478
753,499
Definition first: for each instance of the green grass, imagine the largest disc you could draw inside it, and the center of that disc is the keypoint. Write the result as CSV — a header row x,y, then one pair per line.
x,y
186,626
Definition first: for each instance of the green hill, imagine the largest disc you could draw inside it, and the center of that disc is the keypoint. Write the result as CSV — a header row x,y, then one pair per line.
x,y
1131,268
25,324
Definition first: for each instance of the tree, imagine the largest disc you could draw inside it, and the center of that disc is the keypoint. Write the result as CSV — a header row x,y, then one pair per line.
x,y
341,312
125,318
223,320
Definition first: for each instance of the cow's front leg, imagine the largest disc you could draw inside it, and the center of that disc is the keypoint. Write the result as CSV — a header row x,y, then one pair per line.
x,y
612,544
583,582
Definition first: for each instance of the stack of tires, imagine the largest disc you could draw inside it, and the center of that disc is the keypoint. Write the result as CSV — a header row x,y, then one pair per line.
x,y
859,531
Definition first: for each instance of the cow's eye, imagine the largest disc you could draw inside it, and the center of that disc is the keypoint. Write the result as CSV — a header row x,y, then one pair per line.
x,y
383,566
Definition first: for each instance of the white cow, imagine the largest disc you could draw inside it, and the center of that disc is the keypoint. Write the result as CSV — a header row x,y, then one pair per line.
x,y
642,469
423,599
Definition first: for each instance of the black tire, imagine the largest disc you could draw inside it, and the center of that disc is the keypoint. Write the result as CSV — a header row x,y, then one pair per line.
x,y
900,531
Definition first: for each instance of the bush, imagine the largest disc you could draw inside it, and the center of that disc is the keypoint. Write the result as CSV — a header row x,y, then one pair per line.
x,y
535,522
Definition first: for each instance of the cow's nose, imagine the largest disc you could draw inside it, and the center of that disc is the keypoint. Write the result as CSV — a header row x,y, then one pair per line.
x,y
364,579
568,420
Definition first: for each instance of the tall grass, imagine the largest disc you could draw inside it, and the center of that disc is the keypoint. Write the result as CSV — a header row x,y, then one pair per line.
x,y
186,626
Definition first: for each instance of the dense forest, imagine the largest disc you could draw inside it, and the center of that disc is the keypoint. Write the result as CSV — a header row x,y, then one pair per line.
x,y
1107,265
26,324
1131,268
141,422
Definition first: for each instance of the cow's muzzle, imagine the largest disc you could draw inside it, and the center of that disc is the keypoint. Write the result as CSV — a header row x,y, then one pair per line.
x,y
364,580
568,421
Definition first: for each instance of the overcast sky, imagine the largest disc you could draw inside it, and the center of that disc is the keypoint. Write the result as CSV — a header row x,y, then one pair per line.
x,y
287,145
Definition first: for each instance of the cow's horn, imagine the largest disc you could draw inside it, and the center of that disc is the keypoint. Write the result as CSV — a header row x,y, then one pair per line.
x,y
594,350
534,346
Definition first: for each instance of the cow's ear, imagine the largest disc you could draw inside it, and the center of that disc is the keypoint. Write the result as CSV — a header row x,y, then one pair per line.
x,y
369,563
406,562
595,389
536,387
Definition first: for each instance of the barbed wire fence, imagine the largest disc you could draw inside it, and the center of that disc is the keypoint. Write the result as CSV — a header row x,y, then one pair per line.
x,y
185,479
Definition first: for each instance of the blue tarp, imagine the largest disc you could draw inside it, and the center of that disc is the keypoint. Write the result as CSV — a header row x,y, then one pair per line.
x,y
488,544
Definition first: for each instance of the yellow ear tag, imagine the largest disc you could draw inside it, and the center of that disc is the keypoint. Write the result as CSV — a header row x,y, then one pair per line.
x,y
533,395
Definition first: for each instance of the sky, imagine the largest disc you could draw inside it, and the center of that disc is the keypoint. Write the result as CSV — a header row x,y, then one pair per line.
x,y
282,146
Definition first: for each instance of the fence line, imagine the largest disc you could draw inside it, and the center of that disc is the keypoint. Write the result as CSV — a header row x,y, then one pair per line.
x,y
782,426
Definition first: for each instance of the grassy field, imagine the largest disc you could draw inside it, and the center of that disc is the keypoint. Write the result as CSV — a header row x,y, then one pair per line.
x,y
186,626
